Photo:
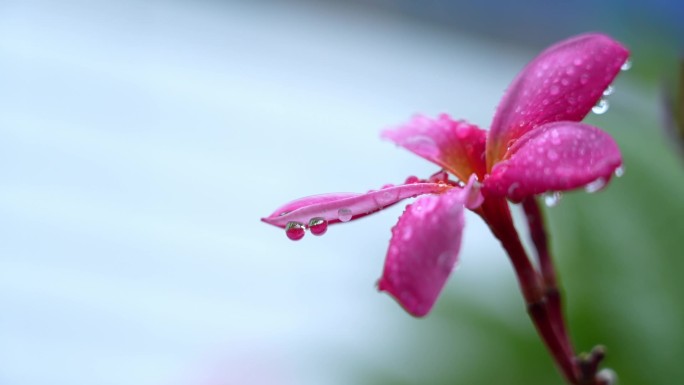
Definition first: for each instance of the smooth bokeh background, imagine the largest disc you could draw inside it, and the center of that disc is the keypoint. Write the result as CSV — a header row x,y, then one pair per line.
x,y
140,143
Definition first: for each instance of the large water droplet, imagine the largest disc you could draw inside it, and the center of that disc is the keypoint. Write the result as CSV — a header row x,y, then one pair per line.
x,y
294,230
620,171
344,215
552,198
626,65
412,179
595,186
608,91
601,107
318,226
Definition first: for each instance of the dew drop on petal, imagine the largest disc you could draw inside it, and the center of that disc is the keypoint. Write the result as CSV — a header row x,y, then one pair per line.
x,y
595,186
620,171
601,107
318,226
608,91
344,215
626,65
552,198
412,179
384,198
552,154
294,230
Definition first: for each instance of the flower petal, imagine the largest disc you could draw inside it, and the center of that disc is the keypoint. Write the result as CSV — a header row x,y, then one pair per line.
x,y
456,146
342,207
424,249
554,157
562,84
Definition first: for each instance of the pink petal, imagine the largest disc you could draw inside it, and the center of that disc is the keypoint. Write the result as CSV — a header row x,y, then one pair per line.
x,y
342,207
554,157
563,83
454,145
424,249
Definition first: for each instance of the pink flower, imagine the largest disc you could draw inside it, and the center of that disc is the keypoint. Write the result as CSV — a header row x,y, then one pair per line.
x,y
535,145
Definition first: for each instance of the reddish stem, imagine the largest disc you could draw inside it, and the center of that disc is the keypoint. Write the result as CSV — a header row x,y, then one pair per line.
x,y
496,214
535,221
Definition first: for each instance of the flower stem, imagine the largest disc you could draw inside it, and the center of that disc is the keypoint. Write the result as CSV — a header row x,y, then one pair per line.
x,y
497,215
535,221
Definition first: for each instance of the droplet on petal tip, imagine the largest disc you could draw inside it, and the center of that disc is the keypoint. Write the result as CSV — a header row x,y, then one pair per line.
x,y
295,230
620,171
318,226
626,65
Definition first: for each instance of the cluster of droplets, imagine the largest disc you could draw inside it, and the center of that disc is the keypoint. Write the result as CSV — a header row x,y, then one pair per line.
x,y
296,230
602,105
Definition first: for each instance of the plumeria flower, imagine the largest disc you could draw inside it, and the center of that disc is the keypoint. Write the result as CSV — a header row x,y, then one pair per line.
x,y
535,145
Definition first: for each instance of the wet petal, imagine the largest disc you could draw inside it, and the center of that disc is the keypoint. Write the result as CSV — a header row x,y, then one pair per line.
x,y
456,146
342,207
562,84
554,157
424,250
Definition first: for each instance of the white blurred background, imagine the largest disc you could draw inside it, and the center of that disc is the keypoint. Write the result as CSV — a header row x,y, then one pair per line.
x,y
140,143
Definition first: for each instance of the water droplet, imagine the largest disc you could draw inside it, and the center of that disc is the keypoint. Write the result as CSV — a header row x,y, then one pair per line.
x,y
511,189
601,107
388,185
552,198
422,143
294,230
439,177
608,91
407,233
626,65
318,226
385,198
620,171
607,376
344,215
412,179
595,186
444,261
552,154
